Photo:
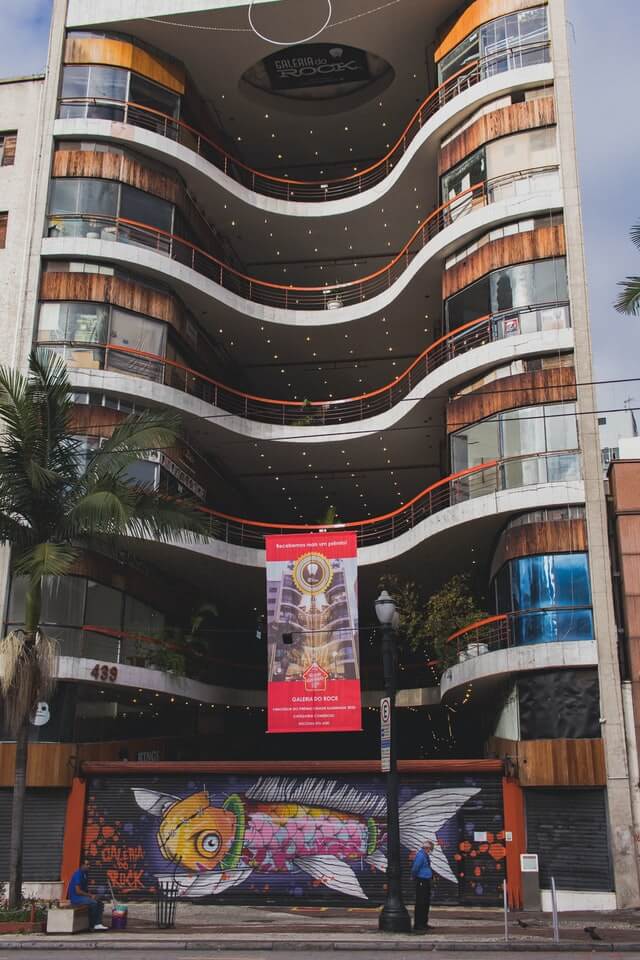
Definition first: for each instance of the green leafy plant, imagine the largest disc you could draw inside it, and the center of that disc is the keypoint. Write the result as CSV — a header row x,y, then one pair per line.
x,y
426,624
450,609
53,498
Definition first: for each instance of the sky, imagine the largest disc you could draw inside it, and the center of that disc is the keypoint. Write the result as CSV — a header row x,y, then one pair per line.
x,y
603,49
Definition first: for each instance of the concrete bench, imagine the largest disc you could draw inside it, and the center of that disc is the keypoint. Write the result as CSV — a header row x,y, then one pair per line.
x,y
67,919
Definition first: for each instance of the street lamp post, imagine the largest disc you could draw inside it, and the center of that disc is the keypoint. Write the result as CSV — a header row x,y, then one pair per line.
x,y
394,917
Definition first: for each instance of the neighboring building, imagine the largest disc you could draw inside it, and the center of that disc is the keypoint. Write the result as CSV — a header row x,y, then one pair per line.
x,y
624,540
265,241
617,430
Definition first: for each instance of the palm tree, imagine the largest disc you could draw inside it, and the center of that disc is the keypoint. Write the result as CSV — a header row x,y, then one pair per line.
x,y
53,496
629,300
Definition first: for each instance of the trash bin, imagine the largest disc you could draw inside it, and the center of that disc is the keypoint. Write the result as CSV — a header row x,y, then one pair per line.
x,y
119,916
166,899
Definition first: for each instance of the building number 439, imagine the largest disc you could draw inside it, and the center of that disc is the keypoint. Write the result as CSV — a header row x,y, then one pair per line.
x,y
104,672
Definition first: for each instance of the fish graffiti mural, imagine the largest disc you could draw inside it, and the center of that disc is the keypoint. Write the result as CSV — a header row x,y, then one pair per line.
x,y
324,829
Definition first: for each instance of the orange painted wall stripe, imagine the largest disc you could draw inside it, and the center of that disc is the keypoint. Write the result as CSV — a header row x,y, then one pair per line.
x,y
73,827
514,822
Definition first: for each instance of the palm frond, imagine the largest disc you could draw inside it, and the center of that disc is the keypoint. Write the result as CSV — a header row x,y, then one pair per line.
x,y
635,234
14,530
132,440
45,560
101,512
629,299
178,521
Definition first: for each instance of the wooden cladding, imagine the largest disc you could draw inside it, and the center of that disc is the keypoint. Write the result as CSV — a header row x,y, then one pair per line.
x,y
8,149
48,764
538,538
553,385
515,118
98,288
538,244
54,764
121,53
116,166
4,217
477,13
555,763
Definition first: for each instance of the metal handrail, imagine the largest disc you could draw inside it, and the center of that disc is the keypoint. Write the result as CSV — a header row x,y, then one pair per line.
x,y
480,480
497,632
311,413
320,190
291,296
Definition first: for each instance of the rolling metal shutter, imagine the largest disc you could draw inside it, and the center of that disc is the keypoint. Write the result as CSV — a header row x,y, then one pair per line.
x,y
568,829
43,833
121,843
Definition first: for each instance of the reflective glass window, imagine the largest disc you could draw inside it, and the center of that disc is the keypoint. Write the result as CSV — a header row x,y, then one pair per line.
x,y
139,617
149,94
522,432
63,600
561,426
77,195
459,57
550,580
474,445
15,613
468,304
104,606
73,321
143,472
467,173
98,82
145,208
553,626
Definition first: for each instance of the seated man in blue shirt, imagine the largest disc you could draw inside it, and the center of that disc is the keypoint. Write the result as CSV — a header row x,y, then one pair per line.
x,y
78,894
422,874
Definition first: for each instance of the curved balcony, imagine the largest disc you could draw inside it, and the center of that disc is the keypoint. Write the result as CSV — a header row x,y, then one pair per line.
x,y
503,327
516,194
466,485
99,657
522,628
313,192
527,640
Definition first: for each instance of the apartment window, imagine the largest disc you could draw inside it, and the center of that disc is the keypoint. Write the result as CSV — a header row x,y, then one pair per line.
x,y
3,230
8,148
509,289
515,40
518,433
550,593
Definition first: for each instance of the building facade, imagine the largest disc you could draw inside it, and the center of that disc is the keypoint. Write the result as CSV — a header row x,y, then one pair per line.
x,y
353,265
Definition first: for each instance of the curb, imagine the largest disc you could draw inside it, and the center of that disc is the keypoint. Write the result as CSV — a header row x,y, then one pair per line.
x,y
378,945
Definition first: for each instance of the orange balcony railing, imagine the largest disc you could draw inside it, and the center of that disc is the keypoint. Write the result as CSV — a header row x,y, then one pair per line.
x,y
481,480
522,628
292,296
313,413
290,188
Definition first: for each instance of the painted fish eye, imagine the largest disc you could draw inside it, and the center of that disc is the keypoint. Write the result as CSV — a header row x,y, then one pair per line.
x,y
209,843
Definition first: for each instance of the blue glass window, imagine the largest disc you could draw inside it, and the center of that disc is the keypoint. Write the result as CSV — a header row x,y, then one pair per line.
x,y
551,593
551,580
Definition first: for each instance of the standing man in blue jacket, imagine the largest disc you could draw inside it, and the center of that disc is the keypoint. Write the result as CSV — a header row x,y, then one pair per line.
x,y
422,874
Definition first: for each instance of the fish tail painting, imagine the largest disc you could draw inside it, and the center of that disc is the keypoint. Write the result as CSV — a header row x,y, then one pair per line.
x,y
321,828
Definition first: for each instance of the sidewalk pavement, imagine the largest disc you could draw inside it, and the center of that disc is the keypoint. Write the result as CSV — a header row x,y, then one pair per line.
x,y
222,926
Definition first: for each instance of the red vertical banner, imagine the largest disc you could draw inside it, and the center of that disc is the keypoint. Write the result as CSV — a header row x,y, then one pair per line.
x,y
313,678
